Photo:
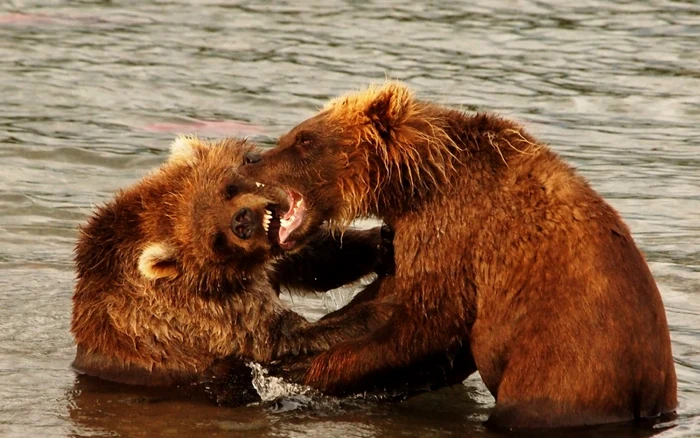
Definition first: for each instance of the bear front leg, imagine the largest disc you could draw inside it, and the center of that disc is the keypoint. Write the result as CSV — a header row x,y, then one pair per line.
x,y
329,261
296,336
405,354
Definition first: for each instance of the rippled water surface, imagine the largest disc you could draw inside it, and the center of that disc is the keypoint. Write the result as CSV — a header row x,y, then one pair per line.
x,y
93,92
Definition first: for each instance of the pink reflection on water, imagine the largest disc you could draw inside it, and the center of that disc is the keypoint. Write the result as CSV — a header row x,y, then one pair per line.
x,y
207,127
20,19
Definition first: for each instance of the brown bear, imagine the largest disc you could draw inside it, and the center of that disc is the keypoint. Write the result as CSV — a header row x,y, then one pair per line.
x,y
176,273
503,253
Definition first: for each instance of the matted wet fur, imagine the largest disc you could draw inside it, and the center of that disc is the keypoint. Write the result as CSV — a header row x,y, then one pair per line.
x,y
175,273
503,253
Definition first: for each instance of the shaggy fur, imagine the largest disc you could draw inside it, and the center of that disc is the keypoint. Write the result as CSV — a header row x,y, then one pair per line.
x,y
503,254
165,287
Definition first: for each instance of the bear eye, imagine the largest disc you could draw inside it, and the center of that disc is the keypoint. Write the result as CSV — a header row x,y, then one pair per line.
x,y
219,243
304,139
231,191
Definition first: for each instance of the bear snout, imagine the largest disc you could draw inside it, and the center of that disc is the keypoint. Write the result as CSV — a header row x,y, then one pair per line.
x,y
243,223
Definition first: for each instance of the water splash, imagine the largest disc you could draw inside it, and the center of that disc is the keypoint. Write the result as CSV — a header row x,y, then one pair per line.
x,y
275,389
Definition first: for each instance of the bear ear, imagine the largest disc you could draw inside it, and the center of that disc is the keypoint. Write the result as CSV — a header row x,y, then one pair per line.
x,y
157,261
184,149
389,107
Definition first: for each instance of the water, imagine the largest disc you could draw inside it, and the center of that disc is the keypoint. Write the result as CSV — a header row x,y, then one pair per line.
x,y
92,90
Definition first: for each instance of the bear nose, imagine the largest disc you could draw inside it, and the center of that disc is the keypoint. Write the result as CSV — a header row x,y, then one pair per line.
x,y
251,157
242,223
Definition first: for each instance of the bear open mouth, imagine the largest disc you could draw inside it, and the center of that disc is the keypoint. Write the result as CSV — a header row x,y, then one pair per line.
x,y
293,218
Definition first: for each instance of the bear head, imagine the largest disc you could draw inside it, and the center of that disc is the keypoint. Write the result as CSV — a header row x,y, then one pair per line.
x,y
361,155
208,221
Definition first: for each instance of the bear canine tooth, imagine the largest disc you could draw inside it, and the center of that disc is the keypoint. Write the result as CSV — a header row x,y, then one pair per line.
x,y
258,184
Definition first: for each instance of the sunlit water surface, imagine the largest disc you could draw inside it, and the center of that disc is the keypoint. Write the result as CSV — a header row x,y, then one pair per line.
x,y
93,92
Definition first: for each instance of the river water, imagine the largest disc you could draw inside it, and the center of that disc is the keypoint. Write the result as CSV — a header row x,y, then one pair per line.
x,y
93,92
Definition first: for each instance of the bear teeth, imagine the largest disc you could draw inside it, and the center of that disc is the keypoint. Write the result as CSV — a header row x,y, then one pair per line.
x,y
258,184
266,220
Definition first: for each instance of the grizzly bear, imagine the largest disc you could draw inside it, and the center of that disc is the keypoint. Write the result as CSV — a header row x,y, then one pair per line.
x,y
176,273
503,254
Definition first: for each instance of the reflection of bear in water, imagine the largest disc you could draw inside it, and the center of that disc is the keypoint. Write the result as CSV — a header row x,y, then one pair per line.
x,y
173,274
503,254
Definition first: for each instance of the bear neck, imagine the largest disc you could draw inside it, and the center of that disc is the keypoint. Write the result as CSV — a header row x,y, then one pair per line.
x,y
406,169
435,154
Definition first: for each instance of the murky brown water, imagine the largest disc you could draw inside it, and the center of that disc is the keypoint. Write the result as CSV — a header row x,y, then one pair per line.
x,y
91,92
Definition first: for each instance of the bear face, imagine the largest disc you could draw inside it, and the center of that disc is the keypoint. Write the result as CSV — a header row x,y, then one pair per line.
x,y
219,232
213,222
310,204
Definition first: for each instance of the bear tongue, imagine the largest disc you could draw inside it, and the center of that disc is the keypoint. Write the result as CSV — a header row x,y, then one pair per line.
x,y
292,220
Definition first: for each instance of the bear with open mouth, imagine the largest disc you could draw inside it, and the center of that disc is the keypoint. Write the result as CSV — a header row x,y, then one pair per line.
x,y
507,261
183,269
